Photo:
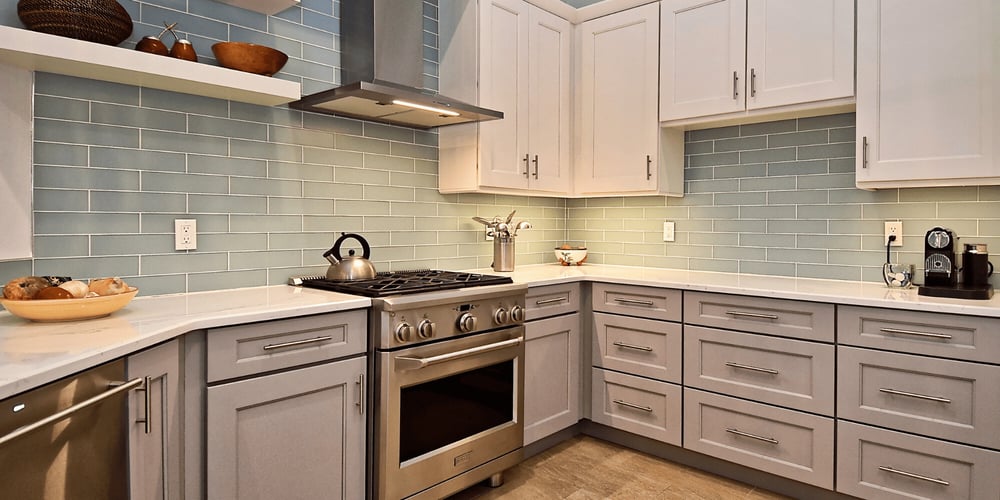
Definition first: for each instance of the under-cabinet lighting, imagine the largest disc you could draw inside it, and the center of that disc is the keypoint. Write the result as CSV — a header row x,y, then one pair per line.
x,y
408,104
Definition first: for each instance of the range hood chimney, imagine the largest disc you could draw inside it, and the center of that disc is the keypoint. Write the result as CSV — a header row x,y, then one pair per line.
x,y
382,63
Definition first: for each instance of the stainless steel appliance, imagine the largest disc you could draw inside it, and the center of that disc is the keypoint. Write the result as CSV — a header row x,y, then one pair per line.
x,y
447,402
976,265
941,269
68,440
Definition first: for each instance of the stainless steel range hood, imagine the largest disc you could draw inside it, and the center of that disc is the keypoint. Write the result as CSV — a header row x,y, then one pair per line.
x,y
382,61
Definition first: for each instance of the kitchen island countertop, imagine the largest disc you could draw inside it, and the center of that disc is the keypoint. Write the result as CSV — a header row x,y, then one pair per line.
x,y
32,354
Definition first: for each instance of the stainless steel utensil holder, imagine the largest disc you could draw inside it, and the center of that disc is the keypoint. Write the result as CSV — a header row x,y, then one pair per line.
x,y
503,254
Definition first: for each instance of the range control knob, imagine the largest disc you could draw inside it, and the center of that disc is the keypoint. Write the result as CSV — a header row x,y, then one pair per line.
x,y
466,322
501,316
426,329
404,332
517,314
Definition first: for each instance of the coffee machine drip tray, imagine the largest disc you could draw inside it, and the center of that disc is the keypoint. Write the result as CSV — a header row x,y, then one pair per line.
x,y
958,292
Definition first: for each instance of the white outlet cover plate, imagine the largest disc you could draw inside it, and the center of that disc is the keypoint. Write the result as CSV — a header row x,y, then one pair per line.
x,y
668,231
185,234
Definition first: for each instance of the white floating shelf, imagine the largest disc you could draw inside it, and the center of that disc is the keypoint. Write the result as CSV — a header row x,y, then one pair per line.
x,y
67,56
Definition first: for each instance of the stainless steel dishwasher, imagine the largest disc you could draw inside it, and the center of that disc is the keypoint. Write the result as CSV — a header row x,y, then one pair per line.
x,y
67,440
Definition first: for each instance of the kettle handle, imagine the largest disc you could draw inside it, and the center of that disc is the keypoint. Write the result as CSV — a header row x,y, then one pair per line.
x,y
335,251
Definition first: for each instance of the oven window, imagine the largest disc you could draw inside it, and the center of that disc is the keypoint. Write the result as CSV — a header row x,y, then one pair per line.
x,y
440,412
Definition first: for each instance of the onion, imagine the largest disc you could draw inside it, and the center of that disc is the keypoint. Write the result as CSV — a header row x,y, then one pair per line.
x,y
79,289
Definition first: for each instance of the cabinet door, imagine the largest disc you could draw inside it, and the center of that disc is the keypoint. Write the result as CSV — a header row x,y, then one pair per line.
x,y
551,376
618,150
928,98
799,51
702,56
503,79
293,434
549,102
155,429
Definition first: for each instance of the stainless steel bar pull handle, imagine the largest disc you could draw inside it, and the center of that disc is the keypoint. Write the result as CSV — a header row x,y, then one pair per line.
x,y
633,346
752,368
649,167
743,314
635,302
914,395
915,333
753,82
736,81
361,393
294,343
913,475
526,158
545,302
752,436
407,363
864,152
147,404
535,161
116,388
633,406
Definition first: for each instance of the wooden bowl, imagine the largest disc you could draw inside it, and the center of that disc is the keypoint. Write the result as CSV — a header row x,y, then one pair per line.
x,y
68,309
249,57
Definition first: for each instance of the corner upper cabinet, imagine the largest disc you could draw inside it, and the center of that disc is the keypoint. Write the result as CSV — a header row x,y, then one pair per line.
x,y
619,139
735,58
523,69
928,111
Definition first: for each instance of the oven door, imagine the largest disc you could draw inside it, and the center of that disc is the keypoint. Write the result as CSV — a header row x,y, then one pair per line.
x,y
447,407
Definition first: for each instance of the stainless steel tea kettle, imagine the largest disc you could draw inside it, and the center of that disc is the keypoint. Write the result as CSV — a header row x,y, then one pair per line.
x,y
352,267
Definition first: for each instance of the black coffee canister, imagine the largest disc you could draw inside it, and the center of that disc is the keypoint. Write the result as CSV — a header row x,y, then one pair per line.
x,y
976,266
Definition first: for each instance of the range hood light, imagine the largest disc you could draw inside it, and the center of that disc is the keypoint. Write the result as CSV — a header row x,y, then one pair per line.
x,y
443,112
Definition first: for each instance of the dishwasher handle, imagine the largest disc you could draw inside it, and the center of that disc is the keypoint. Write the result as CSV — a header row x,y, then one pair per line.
x,y
117,388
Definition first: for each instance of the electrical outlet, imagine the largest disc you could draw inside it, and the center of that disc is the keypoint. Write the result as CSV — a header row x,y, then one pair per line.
x,y
668,231
185,234
893,228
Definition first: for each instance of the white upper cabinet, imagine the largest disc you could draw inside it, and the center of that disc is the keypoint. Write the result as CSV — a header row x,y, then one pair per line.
x,y
523,66
928,106
737,56
619,137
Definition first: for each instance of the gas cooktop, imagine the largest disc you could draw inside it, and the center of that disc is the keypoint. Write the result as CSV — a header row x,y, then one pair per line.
x,y
406,282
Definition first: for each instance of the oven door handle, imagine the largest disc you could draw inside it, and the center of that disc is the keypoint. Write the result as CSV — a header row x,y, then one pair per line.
x,y
408,363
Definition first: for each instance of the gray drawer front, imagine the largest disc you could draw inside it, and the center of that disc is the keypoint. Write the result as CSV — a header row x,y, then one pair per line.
x,y
783,442
791,373
641,301
786,318
544,301
936,397
241,350
917,467
645,407
638,346
969,338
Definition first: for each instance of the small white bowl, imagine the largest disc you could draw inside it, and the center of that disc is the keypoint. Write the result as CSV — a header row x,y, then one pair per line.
x,y
572,256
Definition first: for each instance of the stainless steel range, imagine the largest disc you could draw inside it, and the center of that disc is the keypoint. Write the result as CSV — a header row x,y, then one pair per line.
x,y
447,400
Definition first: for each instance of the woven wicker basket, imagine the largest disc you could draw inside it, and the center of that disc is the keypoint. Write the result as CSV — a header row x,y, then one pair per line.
x,y
101,21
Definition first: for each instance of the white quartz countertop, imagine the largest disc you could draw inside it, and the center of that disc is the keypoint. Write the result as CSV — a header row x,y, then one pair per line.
x,y
32,354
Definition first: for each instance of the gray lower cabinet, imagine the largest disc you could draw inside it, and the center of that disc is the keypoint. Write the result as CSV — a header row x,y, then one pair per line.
x,y
875,463
788,443
644,347
293,434
551,375
786,318
155,432
639,405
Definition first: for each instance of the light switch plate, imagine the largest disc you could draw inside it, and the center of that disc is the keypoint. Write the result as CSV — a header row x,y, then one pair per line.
x,y
185,234
668,231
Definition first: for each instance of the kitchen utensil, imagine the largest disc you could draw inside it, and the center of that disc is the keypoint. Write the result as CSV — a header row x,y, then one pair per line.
x,y
101,21
351,267
522,225
976,265
503,254
249,57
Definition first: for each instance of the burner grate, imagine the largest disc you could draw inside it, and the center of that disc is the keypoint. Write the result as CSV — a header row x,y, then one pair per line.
x,y
405,282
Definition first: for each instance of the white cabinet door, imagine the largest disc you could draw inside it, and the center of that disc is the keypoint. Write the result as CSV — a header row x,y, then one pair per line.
x,y
293,434
702,57
549,102
618,150
799,51
155,437
551,375
928,104
16,92
503,79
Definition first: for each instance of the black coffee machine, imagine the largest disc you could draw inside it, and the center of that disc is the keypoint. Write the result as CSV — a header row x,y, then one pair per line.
x,y
941,269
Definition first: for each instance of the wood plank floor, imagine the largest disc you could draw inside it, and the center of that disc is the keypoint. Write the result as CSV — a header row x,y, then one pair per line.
x,y
585,468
